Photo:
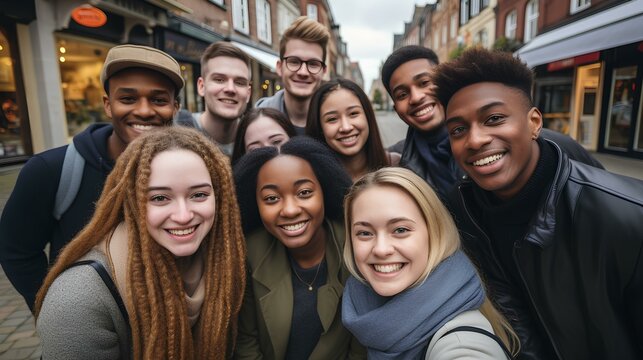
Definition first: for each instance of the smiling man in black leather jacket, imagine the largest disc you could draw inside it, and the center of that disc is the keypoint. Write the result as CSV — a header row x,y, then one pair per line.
x,y
558,242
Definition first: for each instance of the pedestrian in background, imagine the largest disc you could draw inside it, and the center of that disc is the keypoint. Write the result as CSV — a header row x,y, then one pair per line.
x,y
56,191
413,294
341,116
301,66
159,270
291,207
261,127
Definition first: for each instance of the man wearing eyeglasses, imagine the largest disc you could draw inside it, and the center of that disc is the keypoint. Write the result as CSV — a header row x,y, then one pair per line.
x,y
225,86
302,51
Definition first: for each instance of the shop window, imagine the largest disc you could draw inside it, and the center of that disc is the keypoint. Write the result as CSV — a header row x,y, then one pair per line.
x,y
264,28
511,22
620,108
579,5
531,20
639,125
240,16
11,129
553,98
80,65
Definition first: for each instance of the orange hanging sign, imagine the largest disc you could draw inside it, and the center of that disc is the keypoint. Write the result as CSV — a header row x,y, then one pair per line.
x,y
89,16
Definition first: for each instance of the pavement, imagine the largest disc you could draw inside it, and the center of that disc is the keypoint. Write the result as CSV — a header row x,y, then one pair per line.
x,y
18,339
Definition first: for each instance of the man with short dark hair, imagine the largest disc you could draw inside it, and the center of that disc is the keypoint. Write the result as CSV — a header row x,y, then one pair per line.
x,y
302,52
225,86
559,243
142,85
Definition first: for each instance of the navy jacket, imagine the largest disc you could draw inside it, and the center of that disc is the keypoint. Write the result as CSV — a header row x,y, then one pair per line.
x,y
27,224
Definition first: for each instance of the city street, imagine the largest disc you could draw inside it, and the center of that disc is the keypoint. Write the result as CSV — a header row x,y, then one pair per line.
x,y
18,339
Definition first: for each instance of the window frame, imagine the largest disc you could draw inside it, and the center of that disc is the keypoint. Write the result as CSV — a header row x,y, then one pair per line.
x,y
240,18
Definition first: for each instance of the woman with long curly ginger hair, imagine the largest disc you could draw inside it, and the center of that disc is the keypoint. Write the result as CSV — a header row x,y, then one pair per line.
x,y
167,230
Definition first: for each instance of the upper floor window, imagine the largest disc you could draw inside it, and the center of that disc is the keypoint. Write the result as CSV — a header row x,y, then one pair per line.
x,y
485,3
475,7
444,34
311,12
531,20
454,25
436,40
240,16
482,37
464,11
218,2
286,14
511,23
578,5
264,28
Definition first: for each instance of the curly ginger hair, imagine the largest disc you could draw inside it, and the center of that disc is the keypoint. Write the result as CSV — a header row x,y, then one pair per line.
x,y
159,324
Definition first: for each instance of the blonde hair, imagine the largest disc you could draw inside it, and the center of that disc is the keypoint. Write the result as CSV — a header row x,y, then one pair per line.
x,y
444,239
308,30
159,325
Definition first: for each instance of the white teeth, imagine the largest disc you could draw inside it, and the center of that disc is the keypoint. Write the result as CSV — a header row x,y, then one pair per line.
x,y
142,127
388,268
294,227
348,139
488,159
425,111
227,101
182,232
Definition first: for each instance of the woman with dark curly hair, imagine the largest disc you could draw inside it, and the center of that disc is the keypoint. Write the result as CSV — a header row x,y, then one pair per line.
x,y
158,273
291,207
341,116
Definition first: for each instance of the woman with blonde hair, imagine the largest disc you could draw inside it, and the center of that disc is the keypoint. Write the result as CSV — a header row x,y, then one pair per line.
x,y
414,294
158,273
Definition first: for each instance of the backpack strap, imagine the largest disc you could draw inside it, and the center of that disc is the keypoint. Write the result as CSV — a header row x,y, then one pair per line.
x,y
70,178
483,332
107,279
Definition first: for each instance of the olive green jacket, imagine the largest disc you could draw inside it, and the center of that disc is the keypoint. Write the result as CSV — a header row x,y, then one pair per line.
x,y
266,314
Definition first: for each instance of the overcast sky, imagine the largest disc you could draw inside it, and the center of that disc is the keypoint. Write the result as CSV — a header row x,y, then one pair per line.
x,y
367,26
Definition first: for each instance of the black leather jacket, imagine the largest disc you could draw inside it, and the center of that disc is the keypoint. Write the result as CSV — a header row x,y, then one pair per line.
x,y
580,266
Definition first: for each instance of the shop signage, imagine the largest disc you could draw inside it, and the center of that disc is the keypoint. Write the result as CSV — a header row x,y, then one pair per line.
x,y
89,16
578,60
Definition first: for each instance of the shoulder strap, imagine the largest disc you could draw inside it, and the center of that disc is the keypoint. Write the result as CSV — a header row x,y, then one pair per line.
x,y
107,279
70,178
483,332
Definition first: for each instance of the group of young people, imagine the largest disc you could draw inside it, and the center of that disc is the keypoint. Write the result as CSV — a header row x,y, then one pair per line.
x,y
287,231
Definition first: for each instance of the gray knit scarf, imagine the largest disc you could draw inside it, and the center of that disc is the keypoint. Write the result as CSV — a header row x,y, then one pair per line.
x,y
401,326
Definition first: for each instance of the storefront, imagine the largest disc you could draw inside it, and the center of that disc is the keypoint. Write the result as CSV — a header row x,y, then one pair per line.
x,y
15,137
588,79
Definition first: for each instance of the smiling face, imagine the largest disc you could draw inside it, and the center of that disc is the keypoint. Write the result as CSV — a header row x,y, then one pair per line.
x,y
301,83
264,131
344,123
291,202
139,100
390,239
181,202
492,130
414,97
225,86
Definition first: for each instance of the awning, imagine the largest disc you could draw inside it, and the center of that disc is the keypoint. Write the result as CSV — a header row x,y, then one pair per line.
x,y
266,58
620,25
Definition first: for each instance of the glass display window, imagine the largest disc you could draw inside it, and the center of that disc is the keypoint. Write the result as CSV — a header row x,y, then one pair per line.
x,y
620,109
11,120
80,64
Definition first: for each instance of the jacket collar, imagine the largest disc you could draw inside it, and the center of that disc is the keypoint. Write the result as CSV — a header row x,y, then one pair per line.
x,y
543,225
272,270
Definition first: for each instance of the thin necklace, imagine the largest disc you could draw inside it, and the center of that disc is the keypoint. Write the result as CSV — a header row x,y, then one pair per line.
x,y
310,286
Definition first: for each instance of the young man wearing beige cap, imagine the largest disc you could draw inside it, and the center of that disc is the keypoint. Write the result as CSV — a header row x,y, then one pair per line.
x,y
142,85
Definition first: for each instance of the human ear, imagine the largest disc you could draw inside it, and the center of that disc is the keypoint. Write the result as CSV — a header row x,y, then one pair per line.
x,y
535,118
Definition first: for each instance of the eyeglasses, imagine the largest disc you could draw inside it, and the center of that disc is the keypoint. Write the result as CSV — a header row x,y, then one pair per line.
x,y
294,64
